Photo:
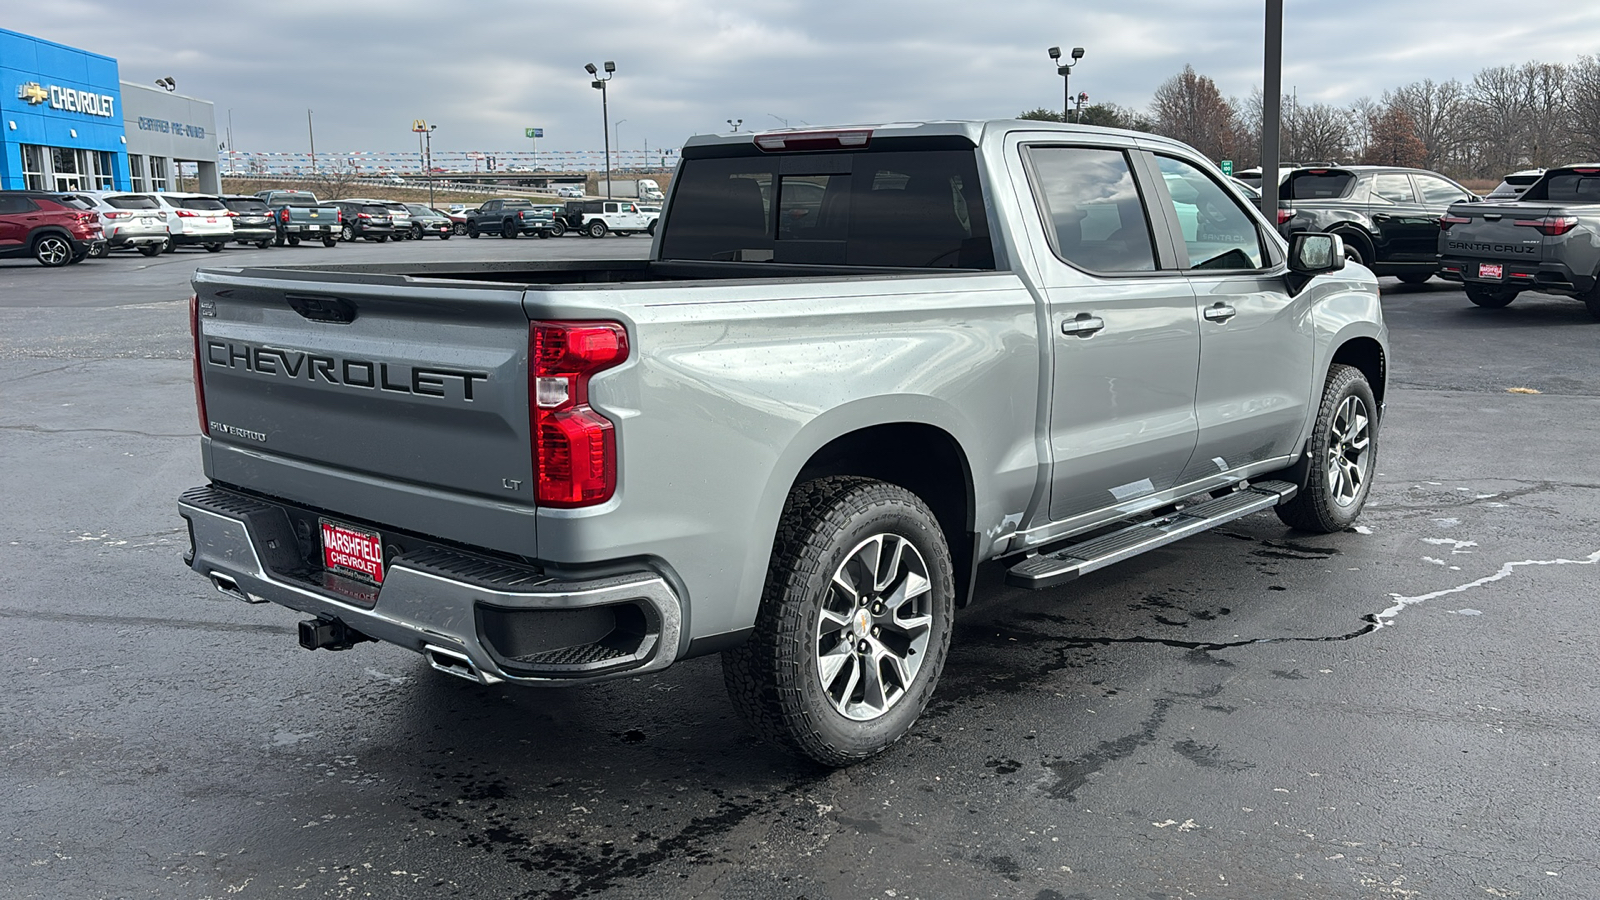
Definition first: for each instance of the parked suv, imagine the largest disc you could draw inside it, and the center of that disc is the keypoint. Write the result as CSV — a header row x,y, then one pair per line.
x,y
195,219
1388,216
47,227
253,222
129,221
425,221
364,219
399,216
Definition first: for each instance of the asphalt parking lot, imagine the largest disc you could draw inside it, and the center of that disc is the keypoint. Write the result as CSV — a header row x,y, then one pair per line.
x,y
1408,709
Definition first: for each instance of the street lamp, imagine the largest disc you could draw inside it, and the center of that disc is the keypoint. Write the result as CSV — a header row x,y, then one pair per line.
x,y
734,123
599,84
1065,71
622,155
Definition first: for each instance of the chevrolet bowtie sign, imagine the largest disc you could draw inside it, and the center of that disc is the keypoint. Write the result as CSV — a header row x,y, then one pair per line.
x,y
67,99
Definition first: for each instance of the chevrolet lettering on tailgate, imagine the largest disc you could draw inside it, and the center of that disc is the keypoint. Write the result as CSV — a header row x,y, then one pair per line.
x,y
358,373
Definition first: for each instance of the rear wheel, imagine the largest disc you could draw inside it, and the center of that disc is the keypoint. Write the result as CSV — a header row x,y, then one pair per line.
x,y
330,242
416,232
854,622
1490,297
152,249
460,228
1415,277
1355,249
100,251
1343,454
213,248
444,235
347,233
262,245
509,230
294,241
52,250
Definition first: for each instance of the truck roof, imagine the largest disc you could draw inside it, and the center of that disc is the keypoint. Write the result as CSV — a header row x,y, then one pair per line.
x,y
972,130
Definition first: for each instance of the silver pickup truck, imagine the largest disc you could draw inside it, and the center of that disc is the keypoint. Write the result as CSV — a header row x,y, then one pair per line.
x,y
1547,239
857,363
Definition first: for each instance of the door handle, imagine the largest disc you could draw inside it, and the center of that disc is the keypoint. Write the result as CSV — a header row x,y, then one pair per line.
x,y
1082,325
1220,312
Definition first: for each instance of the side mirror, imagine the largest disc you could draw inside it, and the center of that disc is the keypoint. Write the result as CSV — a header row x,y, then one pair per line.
x,y
1313,253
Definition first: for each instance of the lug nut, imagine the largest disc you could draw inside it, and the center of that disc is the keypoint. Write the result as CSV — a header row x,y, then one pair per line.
x,y
863,647
875,631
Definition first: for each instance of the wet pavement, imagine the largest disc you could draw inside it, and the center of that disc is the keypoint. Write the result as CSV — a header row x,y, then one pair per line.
x,y
1407,709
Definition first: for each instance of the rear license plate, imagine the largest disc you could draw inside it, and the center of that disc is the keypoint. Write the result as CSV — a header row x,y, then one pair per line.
x,y
211,220
147,221
313,227
1491,270
352,551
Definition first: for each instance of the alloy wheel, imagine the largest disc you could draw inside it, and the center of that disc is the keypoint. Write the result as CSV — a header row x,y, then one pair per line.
x,y
873,627
53,251
1349,439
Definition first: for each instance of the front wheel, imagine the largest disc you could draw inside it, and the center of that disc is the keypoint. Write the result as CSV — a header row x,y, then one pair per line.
x,y
213,248
1490,297
294,241
854,623
472,232
416,232
330,242
1343,454
444,235
152,249
262,245
597,229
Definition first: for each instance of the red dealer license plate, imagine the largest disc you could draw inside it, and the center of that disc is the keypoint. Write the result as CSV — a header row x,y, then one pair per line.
x,y
1491,270
352,551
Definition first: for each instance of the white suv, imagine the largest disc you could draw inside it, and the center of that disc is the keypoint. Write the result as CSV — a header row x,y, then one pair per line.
x,y
196,219
131,221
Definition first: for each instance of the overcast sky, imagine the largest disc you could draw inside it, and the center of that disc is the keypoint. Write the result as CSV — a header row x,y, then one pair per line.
x,y
484,70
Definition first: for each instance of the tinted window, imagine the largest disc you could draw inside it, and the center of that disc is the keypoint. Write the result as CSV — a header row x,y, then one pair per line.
x,y
76,202
1092,209
134,201
1438,192
1570,186
374,210
1218,233
914,209
1394,188
417,209
197,203
250,206
1316,185
516,204
13,203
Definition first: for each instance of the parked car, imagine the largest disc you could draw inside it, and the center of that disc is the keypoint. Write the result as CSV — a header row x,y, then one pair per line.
x,y
363,220
399,216
129,221
597,218
48,227
253,221
1514,184
195,219
793,452
509,217
300,215
425,221
1546,240
651,213
1387,216
457,216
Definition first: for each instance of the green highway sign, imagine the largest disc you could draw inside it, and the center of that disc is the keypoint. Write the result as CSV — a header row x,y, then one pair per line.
x,y
1227,167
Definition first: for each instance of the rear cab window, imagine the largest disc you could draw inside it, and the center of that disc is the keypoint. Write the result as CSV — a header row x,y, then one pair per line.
x,y
1567,185
878,207
1317,184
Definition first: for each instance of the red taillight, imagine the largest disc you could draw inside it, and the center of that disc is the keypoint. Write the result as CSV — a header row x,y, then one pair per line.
x,y
232,214
1285,215
1551,225
362,216
338,216
1446,221
199,385
574,447
186,213
283,214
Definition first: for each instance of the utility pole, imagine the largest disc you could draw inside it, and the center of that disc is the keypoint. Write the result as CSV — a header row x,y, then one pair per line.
x,y
1271,109
313,132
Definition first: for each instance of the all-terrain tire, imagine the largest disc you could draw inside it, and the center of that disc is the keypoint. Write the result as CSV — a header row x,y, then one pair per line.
x,y
1343,456
775,679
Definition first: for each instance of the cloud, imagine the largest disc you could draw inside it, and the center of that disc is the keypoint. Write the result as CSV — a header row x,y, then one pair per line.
x,y
484,70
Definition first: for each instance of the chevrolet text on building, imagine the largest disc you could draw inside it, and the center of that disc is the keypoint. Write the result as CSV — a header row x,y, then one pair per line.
x,y
68,99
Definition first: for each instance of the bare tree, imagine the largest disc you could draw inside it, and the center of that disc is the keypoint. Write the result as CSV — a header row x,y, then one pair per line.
x,y
1438,112
1322,132
1364,114
1583,105
335,182
1189,107
1548,131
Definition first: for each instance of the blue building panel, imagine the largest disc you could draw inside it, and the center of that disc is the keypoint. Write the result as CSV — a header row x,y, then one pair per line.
x,y
53,95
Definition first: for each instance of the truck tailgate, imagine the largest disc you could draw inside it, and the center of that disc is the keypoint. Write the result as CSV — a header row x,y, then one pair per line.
x,y
394,401
1490,231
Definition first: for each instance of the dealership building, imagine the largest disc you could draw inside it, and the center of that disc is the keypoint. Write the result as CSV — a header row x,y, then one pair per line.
x,y
68,122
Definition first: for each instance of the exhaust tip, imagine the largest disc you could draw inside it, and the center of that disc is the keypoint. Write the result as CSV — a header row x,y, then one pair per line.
x,y
454,663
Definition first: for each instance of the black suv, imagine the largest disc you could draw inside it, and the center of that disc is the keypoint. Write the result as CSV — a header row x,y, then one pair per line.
x,y
1388,216
364,219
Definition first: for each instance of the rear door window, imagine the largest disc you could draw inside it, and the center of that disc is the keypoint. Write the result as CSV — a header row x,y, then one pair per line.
x,y
1093,213
13,203
1436,191
1392,188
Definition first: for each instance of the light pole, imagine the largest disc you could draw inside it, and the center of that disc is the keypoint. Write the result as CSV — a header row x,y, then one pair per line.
x,y
425,147
1065,71
599,84
734,123
622,154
